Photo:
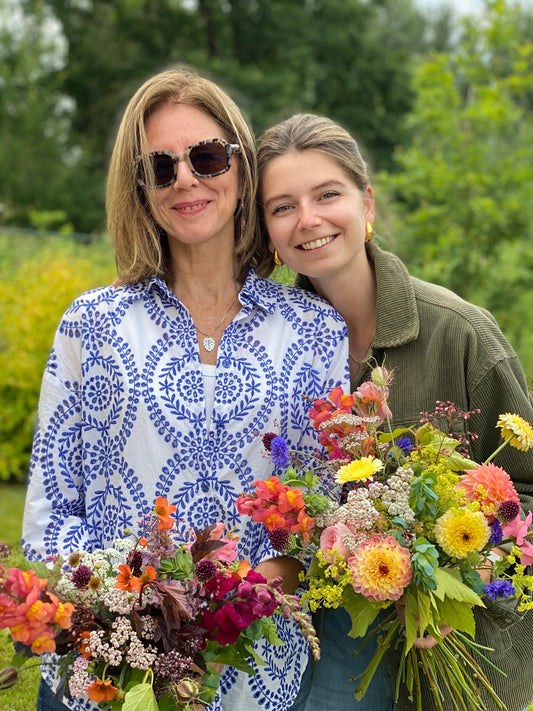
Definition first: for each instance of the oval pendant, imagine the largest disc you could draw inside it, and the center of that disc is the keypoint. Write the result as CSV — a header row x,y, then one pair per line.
x,y
209,343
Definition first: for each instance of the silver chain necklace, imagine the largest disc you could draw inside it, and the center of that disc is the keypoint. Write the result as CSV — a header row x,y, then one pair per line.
x,y
209,342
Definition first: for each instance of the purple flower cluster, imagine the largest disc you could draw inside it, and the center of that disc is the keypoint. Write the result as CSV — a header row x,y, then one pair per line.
x,y
280,452
499,588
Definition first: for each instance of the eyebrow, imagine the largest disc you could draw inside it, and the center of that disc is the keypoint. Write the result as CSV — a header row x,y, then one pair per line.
x,y
315,188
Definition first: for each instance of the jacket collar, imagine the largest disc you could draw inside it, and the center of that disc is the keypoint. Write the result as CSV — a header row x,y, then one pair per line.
x,y
397,313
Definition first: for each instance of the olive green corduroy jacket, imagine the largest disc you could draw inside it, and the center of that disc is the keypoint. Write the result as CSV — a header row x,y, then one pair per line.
x,y
441,347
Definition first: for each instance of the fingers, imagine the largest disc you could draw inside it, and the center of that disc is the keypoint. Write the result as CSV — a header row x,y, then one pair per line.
x,y
428,641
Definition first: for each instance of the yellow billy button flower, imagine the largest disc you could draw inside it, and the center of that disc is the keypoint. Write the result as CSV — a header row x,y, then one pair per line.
x,y
359,470
516,430
461,531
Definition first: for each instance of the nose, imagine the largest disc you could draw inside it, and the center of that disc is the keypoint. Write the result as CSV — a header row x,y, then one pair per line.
x,y
308,217
185,178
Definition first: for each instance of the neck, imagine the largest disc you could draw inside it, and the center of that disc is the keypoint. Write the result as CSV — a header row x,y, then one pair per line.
x,y
354,296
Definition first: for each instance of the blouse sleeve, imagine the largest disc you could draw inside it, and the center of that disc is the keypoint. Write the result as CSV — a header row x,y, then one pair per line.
x,y
54,516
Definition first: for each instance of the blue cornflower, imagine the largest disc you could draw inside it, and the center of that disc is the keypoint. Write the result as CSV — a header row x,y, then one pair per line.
x,y
496,537
499,588
279,452
404,444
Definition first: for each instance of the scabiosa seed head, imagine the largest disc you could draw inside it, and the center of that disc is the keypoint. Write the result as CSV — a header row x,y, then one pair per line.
x,y
187,691
279,538
8,677
135,560
205,570
74,559
267,440
5,551
508,511
81,576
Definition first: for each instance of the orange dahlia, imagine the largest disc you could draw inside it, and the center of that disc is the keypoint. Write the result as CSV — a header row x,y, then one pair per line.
x,y
381,568
490,486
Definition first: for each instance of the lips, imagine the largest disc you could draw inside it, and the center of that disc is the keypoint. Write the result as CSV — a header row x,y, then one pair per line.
x,y
191,206
316,243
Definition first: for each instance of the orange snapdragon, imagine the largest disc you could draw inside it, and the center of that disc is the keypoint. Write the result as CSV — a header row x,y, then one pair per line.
x,y
163,511
102,690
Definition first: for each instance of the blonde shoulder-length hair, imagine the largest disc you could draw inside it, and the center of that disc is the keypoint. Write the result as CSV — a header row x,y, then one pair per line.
x,y
141,246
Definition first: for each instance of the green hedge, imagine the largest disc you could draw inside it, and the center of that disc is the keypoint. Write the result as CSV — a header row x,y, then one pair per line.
x,y
39,278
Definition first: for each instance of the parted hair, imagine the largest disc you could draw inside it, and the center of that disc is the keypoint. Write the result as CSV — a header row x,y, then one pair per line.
x,y
141,246
304,132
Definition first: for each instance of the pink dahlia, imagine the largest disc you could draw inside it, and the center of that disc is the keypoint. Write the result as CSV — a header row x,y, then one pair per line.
x,y
490,485
381,568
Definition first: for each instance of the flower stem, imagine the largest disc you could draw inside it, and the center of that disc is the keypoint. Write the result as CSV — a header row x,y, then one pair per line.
x,y
502,445
369,672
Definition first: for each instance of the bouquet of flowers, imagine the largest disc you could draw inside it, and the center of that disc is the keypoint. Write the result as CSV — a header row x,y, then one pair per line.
x,y
401,519
149,622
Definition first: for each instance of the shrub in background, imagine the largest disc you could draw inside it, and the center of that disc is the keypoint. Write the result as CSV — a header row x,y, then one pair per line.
x,y
39,278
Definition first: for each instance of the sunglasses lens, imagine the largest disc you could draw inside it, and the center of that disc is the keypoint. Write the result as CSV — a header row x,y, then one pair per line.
x,y
209,159
163,169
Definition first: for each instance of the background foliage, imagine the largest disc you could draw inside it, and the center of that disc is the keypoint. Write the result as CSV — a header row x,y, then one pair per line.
x,y
39,278
442,109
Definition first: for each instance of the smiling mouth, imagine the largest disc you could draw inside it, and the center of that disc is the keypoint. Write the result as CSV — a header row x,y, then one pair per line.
x,y
317,243
190,208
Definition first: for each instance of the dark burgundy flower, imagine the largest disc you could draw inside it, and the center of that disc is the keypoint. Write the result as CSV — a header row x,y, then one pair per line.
x,y
81,576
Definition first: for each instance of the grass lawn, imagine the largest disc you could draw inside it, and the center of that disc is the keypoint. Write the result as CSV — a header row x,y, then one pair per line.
x,y
22,696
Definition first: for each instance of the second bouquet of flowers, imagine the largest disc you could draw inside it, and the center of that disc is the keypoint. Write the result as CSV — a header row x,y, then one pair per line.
x,y
402,524
149,623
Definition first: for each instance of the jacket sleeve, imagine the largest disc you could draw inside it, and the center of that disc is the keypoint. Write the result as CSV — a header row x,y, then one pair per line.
x,y
503,389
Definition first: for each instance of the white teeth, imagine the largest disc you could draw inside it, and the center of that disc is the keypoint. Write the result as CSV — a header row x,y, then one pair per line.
x,y
317,243
192,207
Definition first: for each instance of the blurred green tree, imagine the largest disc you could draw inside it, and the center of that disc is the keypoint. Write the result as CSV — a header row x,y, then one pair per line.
x,y
462,192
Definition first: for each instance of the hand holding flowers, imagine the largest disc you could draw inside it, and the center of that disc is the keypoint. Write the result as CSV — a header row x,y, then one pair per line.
x,y
402,521
150,622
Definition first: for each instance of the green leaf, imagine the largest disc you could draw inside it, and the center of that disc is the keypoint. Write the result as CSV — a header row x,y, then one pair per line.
x,y
360,610
449,585
384,437
140,698
180,567
411,617
457,615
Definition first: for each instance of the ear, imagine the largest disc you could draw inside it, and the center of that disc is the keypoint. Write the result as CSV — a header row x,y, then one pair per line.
x,y
368,201
271,247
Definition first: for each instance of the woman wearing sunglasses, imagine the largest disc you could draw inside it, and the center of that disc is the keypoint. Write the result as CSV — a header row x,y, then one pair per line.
x,y
163,383
318,210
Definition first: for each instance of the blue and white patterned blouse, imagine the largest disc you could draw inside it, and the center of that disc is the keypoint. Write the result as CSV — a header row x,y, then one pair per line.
x,y
122,420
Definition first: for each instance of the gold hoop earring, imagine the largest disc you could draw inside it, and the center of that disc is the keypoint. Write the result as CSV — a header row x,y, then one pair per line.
x,y
278,261
369,232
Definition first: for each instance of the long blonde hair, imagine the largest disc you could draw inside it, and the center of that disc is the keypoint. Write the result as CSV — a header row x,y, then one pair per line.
x,y
141,246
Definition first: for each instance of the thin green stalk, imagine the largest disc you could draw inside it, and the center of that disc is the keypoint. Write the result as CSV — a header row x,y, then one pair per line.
x,y
431,677
502,445
376,659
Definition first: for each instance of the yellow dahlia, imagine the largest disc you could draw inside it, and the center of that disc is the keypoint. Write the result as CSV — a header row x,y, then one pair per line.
x,y
490,486
461,531
358,470
516,430
381,568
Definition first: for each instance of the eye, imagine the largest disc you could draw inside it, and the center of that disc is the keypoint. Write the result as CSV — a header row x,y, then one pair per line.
x,y
280,208
329,194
